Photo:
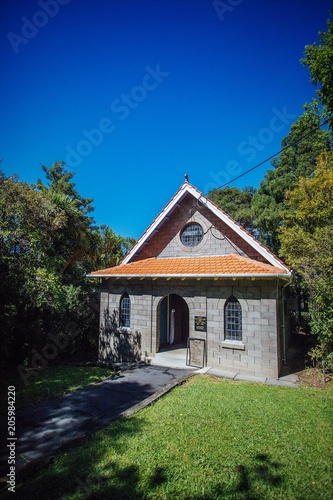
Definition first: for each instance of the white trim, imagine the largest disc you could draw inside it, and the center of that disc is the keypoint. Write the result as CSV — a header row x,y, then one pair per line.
x,y
124,329
188,188
233,344
235,275
246,236
159,219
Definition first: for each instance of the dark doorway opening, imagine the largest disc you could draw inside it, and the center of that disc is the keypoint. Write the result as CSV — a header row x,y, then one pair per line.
x,y
174,322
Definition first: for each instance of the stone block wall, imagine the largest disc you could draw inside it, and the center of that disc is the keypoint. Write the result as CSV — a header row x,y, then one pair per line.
x,y
259,352
119,343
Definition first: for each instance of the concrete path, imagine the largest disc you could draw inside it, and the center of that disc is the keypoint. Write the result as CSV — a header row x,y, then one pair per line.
x,y
177,359
285,381
43,429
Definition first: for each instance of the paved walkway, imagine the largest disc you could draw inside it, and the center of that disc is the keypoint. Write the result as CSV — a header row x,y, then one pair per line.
x,y
283,381
43,429
177,359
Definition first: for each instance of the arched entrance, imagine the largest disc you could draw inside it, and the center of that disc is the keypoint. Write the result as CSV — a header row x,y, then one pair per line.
x,y
173,322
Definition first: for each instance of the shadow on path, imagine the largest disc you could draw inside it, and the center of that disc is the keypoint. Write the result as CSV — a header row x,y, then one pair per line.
x,y
45,428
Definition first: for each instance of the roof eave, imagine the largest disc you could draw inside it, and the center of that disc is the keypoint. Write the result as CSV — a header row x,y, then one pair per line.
x,y
285,276
156,222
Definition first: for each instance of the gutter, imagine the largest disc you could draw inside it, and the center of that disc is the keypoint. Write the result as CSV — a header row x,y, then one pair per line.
x,y
284,323
197,276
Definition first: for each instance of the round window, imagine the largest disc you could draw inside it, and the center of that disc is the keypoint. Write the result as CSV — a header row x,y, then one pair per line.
x,y
191,235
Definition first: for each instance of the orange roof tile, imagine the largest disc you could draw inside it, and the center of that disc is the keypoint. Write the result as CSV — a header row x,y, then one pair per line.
x,y
225,265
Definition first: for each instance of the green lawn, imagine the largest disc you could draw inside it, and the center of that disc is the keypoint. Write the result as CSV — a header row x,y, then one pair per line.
x,y
50,383
207,439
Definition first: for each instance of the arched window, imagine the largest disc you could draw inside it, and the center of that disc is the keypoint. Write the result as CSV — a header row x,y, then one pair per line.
x,y
125,311
232,319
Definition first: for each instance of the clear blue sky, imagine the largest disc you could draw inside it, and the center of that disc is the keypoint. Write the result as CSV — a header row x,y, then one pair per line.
x,y
134,94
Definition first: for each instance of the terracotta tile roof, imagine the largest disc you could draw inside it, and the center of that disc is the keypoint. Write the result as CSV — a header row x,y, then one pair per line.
x,y
226,265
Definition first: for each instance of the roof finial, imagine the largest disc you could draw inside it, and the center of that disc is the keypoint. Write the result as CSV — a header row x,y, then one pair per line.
x,y
186,177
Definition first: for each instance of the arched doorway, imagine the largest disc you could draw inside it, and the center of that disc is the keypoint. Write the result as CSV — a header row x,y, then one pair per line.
x,y
173,322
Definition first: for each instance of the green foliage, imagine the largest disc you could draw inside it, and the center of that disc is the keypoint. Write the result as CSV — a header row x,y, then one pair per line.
x,y
48,244
236,203
112,247
260,211
307,245
318,58
207,439
305,141
50,293
293,203
59,182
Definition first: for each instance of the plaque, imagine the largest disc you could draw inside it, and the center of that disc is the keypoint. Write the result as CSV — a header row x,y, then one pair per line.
x,y
200,323
195,354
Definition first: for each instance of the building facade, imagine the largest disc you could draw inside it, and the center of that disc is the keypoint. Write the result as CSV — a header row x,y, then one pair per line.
x,y
196,278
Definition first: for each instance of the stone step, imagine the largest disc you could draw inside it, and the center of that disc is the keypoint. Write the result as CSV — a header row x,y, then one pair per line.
x,y
172,357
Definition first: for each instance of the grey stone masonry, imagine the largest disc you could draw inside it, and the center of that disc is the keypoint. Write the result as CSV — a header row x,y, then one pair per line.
x,y
257,354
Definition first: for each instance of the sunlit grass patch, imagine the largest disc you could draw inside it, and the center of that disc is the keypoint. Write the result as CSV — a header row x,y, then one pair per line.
x,y
208,439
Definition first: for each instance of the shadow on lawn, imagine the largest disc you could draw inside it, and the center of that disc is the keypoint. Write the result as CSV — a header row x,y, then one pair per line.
x,y
85,473
87,476
126,483
264,471
247,481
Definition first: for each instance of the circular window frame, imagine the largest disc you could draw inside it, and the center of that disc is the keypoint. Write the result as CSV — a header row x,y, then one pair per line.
x,y
198,247
200,235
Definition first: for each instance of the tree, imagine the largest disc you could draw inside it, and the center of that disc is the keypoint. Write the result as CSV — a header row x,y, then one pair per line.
x,y
307,245
48,244
305,141
27,225
77,242
59,181
236,203
112,247
318,58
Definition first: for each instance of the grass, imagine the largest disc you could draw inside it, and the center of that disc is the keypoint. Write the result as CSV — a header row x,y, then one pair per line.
x,y
207,439
50,383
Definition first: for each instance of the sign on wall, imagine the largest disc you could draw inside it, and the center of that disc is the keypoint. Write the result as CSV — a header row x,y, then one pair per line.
x,y
200,323
195,354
